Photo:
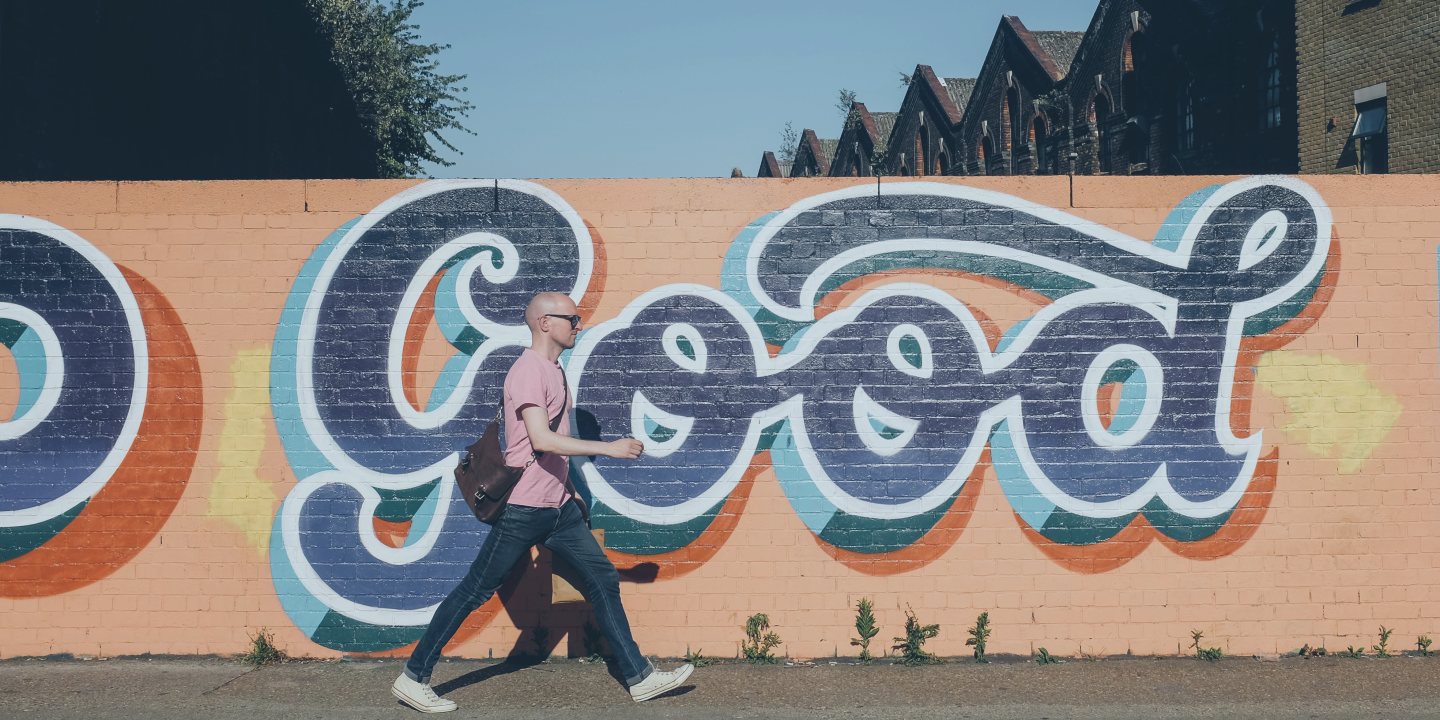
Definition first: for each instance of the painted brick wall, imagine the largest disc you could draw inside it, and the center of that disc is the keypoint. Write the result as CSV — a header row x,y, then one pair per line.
x,y
840,401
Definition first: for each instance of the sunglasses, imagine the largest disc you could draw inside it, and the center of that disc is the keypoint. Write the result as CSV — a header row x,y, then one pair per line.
x,y
575,320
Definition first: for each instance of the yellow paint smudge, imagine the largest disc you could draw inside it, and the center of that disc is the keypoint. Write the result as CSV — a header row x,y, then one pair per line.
x,y
1330,405
238,494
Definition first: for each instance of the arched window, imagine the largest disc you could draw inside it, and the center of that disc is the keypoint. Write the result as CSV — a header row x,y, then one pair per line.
x,y
1039,136
1132,82
944,162
1270,87
1100,115
922,152
986,151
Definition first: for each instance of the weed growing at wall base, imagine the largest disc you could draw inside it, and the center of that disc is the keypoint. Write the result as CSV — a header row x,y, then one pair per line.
x,y
591,639
697,658
1045,658
866,627
263,650
760,642
1422,645
979,635
912,646
1204,653
539,635
1381,650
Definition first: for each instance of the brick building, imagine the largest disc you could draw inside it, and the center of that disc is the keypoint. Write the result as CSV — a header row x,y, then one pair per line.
x,y
923,139
812,157
1007,128
771,167
1177,87
1369,86
862,142
1150,88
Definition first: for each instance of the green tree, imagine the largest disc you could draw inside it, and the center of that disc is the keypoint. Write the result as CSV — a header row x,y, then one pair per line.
x,y
400,96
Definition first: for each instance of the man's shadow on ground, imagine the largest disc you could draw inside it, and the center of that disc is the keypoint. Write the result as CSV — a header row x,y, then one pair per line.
x,y
526,596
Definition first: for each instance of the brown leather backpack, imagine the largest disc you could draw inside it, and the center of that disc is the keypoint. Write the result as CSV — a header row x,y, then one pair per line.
x,y
485,480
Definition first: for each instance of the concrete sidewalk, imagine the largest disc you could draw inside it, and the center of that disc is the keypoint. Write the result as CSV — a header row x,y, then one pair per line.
x,y
1112,688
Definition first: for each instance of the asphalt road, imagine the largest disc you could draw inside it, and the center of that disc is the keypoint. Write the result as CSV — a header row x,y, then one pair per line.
x,y
222,689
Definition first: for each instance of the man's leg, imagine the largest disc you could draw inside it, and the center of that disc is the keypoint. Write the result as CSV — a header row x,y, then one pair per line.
x,y
572,541
518,529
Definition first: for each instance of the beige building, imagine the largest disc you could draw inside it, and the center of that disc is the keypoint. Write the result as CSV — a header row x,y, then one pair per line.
x,y
1369,89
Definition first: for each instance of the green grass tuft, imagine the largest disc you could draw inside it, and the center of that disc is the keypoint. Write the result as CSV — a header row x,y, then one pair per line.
x,y
262,650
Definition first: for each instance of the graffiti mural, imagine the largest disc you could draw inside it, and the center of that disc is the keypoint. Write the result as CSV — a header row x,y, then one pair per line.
x,y
103,437
877,414
470,254
1121,399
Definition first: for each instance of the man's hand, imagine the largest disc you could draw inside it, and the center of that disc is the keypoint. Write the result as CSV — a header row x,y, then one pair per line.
x,y
625,448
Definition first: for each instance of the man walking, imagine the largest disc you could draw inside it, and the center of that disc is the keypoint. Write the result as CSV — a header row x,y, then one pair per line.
x,y
541,510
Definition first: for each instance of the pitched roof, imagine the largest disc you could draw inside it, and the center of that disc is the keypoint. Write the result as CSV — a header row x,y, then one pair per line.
x,y
828,147
926,78
1060,45
769,166
959,91
884,123
1043,62
815,148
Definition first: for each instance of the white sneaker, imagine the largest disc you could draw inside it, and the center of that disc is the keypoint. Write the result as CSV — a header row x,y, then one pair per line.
x,y
660,683
420,696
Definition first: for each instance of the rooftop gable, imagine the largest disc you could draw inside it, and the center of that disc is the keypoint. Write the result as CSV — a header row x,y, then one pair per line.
x,y
1032,51
926,79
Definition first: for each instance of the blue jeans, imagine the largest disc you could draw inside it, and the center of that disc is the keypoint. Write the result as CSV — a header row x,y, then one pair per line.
x,y
520,528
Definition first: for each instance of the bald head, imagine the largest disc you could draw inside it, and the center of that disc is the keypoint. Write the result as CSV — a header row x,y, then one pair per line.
x,y
547,303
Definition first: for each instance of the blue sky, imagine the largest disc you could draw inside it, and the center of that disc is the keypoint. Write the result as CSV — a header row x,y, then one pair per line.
x,y
690,89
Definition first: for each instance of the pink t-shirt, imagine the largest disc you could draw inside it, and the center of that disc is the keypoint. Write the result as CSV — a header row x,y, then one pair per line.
x,y
533,380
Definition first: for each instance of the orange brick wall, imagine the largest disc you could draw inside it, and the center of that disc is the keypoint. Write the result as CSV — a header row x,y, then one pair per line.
x,y
176,556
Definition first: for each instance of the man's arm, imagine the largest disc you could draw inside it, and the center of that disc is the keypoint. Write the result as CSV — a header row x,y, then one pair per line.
x,y
544,440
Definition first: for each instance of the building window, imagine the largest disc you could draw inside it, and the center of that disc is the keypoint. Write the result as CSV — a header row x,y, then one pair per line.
x,y
922,152
1371,137
1270,88
1185,116
1100,112
1132,82
1039,137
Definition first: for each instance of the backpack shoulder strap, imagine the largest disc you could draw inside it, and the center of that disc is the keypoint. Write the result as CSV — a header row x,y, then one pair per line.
x,y
555,421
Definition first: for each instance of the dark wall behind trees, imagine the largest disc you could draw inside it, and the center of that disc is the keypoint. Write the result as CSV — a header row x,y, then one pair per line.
x,y
172,90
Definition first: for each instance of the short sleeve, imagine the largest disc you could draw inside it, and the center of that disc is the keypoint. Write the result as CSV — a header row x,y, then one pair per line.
x,y
525,386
